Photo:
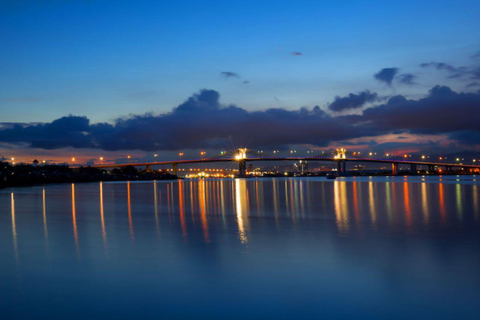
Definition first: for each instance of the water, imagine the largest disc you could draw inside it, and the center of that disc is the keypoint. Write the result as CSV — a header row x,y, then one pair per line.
x,y
370,248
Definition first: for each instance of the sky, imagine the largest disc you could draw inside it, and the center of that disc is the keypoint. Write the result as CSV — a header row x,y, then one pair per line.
x,y
91,77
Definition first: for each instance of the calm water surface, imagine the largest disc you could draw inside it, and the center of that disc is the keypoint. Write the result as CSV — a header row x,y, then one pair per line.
x,y
369,248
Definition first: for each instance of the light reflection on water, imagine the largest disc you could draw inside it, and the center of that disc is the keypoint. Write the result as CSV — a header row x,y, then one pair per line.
x,y
350,247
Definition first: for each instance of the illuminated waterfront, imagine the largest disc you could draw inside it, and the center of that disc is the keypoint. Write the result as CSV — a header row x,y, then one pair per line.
x,y
390,247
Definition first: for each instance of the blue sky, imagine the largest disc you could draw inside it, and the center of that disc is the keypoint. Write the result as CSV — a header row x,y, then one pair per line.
x,y
105,59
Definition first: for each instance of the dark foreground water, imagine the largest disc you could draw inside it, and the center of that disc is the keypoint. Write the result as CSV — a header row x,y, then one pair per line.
x,y
268,248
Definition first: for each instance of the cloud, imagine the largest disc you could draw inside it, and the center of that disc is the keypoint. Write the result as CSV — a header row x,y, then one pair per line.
x,y
439,66
202,121
352,101
472,85
476,55
245,82
472,73
407,78
443,111
70,131
229,74
386,75
296,54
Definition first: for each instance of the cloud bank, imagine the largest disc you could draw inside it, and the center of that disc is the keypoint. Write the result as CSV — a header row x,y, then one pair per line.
x,y
203,122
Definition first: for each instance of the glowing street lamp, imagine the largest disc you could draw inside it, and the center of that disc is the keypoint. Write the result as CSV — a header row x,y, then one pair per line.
x,y
73,159
101,159
202,153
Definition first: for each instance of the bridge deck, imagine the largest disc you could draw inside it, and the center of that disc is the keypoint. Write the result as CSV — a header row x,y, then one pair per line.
x,y
215,160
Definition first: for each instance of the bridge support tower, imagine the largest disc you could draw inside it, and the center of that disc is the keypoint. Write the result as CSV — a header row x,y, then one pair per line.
x,y
148,168
341,167
242,168
394,169
175,169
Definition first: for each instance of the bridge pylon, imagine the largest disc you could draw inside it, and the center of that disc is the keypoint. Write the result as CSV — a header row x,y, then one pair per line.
x,y
341,167
394,169
242,168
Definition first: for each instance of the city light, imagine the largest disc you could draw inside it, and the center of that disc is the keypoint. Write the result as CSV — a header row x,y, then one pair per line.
x,y
241,154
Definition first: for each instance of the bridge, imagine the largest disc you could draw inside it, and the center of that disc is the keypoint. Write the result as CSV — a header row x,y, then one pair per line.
x,y
241,159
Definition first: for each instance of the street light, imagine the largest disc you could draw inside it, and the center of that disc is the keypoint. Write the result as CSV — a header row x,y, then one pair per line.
x,y
101,159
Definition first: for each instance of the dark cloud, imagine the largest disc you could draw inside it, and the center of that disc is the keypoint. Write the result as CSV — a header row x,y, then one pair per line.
x,y
245,82
407,78
296,54
203,122
473,85
439,66
472,73
199,122
352,101
386,75
68,131
442,111
470,137
229,74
